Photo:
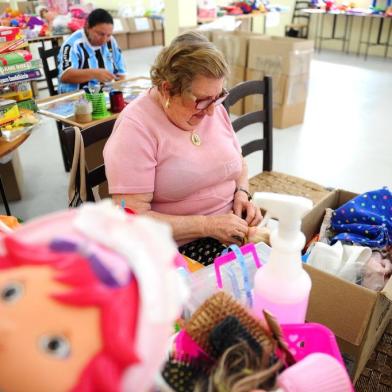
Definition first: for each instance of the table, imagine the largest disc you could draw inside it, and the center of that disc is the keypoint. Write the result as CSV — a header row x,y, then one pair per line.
x,y
381,23
241,17
347,29
321,14
5,149
55,39
44,105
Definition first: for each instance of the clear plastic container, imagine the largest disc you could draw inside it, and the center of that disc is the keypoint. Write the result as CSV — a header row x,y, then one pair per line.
x,y
83,111
205,282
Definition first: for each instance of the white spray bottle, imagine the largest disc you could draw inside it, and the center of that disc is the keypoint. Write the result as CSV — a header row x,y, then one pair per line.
x,y
282,286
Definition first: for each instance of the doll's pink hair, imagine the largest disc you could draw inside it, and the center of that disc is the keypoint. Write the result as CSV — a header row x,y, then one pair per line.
x,y
118,308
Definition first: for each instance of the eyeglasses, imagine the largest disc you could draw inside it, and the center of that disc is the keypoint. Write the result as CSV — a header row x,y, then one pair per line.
x,y
202,104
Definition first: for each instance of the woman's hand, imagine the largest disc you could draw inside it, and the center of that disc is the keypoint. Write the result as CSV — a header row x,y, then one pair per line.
x,y
243,207
228,228
103,75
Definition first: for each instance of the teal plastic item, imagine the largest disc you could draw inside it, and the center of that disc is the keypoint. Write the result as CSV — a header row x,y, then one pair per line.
x,y
99,105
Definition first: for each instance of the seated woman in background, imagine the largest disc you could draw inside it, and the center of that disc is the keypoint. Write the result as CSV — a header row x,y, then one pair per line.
x,y
174,155
90,55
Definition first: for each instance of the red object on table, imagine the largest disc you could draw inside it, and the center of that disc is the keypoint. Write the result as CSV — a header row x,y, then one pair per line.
x,y
117,103
8,33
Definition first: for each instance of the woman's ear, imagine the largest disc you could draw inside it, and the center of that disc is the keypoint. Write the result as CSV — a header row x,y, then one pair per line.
x,y
165,86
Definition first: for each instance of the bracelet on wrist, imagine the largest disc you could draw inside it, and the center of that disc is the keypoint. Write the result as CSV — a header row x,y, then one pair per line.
x,y
245,191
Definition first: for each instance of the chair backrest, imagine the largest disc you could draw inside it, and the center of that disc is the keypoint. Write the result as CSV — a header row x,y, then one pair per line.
x,y
298,6
95,171
264,116
50,74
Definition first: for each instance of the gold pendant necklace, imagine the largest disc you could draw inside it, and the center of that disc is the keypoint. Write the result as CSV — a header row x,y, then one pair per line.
x,y
195,138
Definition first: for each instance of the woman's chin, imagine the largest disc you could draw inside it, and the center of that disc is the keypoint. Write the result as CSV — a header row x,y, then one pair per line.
x,y
196,119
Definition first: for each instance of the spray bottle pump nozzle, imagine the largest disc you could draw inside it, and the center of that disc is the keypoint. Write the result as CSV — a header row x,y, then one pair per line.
x,y
288,209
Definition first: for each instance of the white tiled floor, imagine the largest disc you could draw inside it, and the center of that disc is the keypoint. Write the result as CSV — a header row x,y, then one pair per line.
x,y
345,140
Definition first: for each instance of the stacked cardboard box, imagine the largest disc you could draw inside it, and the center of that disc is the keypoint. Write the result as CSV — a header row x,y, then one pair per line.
x,y
234,46
287,60
140,33
358,316
158,31
120,30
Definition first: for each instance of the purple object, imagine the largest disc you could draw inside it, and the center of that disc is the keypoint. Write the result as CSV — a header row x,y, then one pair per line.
x,y
99,268
34,21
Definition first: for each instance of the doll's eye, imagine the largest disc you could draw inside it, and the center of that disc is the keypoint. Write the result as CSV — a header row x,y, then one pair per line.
x,y
11,292
57,346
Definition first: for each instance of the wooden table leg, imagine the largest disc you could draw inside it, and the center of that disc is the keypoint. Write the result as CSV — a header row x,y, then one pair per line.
x,y
4,198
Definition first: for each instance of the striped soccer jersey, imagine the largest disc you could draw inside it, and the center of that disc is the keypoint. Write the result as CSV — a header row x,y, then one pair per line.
x,y
77,52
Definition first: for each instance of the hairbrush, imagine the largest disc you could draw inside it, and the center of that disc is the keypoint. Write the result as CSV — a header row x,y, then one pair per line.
x,y
214,310
278,336
228,333
182,374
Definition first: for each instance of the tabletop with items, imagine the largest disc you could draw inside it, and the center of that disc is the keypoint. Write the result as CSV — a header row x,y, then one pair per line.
x,y
88,107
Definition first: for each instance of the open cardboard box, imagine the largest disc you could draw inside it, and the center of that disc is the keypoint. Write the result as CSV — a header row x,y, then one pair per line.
x,y
358,316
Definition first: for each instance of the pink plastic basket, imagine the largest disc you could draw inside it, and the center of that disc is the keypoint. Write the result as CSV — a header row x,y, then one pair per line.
x,y
305,339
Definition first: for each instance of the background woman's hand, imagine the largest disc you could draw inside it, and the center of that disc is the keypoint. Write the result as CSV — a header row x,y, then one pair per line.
x,y
242,207
103,75
228,228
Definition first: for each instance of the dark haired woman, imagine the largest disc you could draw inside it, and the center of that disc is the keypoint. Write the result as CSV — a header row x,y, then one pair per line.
x,y
90,55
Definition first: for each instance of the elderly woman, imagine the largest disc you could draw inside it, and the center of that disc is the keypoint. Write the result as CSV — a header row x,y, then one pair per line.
x,y
173,153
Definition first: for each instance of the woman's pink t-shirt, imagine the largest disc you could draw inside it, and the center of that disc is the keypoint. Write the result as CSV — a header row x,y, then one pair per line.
x,y
146,153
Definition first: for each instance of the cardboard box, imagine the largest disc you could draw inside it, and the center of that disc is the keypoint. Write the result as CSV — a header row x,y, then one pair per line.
x,y
122,40
234,45
139,40
139,24
157,38
158,24
120,25
358,316
206,33
246,23
12,177
237,75
285,89
280,55
120,30
285,116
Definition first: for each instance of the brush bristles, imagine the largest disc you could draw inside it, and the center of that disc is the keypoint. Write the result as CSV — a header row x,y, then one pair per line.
x,y
217,308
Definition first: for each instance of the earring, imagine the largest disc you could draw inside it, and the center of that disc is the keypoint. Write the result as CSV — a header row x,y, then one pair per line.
x,y
167,103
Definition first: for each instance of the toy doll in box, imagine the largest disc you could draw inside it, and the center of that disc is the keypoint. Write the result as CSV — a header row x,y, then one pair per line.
x,y
87,301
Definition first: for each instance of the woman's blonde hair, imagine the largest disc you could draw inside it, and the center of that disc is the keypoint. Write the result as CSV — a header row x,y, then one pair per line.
x,y
189,55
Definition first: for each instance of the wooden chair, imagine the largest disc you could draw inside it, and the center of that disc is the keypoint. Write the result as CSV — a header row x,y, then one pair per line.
x,y
88,169
51,76
267,180
299,26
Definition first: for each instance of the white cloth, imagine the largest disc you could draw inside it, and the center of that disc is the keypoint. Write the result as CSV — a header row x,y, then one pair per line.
x,y
345,261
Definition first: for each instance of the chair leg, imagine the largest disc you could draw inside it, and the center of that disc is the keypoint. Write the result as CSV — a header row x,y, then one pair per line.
x,y
4,198
66,161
